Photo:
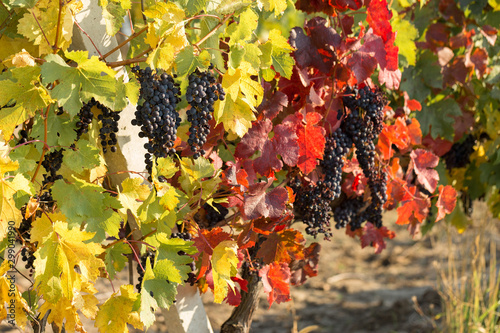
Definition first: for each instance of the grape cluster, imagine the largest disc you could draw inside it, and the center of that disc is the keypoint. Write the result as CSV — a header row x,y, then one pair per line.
x,y
107,117
142,267
214,213
85,116
202,92
52,162
27,255
360,127
24,137
459,154
156,114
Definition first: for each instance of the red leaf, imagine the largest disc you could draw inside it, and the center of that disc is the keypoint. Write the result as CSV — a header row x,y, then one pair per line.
x,y
396,191
424,161
455,71
437,34
205,243
259,203
285,143
268,161
276,282
391,79
375,237
378,16
438,146
414,208
490,34
362,64
311,140
279,245
412,104
415,132
307,267
463,39
255,139
274,104
479,60
446,201
234,296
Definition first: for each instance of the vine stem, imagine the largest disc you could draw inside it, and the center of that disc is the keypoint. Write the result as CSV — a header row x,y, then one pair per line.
x,y
134,35
86,34
58,26
45,146
43,32
213,31
126,62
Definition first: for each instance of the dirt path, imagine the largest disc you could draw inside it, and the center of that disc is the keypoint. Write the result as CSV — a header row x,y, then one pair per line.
x,y
357,291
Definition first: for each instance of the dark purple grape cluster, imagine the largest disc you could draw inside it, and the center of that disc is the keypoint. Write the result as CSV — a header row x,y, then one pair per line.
x,y
27,255
214,213
202,92
52,162
361,125
85,117
142,267
459,154
107,117
156,113
23,136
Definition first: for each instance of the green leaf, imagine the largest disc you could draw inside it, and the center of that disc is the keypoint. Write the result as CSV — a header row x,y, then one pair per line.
x,y
212,43
283,63
115,259
85,157
60,129
27,156
187,62
113,13
77,85
236,54
194,6
22,3
132,194
438,117
244,29
252,55
230,6
23,85
84,202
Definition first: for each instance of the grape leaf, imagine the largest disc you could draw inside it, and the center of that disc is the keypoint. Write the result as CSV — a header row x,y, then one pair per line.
x,y
118,311
187,62
258,203
10,294
311,140
254,139
8,209
423,162
88,204
132,194
405,39
375,237
57,256
60,129
279,246
224,266
236,116
306,267
41,23
278,6
446,201
113,13
243,30
77,85
116,259
23,85
438,117
85,156
193,6
276,282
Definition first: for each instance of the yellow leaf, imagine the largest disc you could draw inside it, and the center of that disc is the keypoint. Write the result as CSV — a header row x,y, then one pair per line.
x,y
8,210
64,312
47,15
278,6
56,257
22,59
224,266
114,315
11,296
236,117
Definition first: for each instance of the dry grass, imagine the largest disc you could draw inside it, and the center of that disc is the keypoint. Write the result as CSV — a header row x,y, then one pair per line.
x,y
469,280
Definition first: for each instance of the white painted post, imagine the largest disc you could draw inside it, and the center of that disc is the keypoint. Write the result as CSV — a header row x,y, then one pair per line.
x,y
188,315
